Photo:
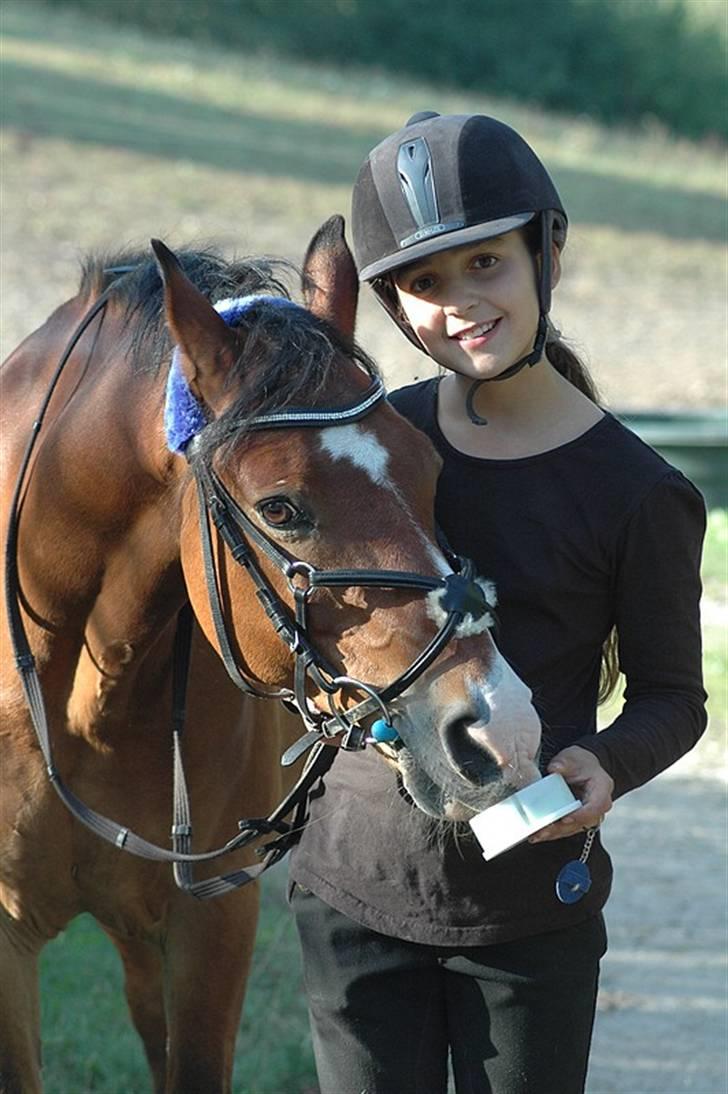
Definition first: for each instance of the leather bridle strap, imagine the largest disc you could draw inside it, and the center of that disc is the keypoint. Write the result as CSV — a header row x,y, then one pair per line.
x,y
242,556
123,837
271,852
296,800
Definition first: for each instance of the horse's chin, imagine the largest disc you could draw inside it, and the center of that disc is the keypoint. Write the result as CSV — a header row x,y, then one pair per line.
x,y
446,803
457,811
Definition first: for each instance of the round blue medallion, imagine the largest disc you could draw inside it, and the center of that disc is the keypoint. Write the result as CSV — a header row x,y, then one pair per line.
x,y
574,882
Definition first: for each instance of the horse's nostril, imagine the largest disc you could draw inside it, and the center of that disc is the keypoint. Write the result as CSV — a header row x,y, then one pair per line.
x,y
472,759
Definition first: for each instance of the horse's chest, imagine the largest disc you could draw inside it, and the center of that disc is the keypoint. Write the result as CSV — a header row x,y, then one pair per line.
x,y
36,885
53,869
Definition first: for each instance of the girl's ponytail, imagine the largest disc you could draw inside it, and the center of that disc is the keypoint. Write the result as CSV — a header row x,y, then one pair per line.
x,y
565,361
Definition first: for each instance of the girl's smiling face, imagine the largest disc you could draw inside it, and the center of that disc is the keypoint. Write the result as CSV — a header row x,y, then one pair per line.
x,y
474,308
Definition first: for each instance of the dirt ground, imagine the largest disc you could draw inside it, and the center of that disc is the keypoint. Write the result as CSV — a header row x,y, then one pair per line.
x,y
661,1020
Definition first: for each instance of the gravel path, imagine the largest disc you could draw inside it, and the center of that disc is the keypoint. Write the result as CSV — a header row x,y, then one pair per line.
x,y
661,1022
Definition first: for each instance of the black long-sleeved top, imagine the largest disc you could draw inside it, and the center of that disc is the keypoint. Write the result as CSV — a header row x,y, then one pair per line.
x,y
597,532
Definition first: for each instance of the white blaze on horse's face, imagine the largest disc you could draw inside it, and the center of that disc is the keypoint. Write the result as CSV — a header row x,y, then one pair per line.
x,y
362,448
469,719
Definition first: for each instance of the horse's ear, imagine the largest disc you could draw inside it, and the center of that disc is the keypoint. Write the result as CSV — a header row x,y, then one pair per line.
x,y
330,282
207,345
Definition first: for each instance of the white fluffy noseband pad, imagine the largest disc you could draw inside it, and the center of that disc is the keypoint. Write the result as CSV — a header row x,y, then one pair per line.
x,y
469,624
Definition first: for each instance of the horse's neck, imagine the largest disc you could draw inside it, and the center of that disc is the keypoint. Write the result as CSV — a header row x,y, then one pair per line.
x,y
99,540
128,625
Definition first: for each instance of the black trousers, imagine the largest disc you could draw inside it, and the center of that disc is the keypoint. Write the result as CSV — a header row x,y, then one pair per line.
x,y
515,1018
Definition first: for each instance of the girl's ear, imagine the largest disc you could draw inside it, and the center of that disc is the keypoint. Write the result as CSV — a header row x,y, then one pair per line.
x,y
555,265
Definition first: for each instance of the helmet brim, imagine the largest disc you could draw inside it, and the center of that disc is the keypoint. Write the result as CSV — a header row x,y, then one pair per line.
x,y
435,243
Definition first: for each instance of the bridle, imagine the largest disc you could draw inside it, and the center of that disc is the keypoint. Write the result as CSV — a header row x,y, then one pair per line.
x,y
460,596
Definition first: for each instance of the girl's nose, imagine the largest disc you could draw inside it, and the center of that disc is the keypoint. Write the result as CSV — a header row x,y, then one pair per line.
x,y
460,304
460,297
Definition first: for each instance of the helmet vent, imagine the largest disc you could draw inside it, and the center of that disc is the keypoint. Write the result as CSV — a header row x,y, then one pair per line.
x,y
414,167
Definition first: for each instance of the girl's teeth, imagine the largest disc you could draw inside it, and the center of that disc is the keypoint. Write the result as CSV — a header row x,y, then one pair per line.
x,y
477,332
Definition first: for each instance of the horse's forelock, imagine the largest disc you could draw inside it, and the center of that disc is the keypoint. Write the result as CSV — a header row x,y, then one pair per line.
x,y
138,292
288,353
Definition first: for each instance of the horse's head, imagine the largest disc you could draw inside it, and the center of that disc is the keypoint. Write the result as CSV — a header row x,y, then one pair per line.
x,y
299,459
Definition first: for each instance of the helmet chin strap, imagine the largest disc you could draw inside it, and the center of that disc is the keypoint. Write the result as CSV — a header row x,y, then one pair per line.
x,y
530,359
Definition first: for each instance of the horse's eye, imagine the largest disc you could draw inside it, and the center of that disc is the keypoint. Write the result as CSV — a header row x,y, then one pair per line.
x,y
279,512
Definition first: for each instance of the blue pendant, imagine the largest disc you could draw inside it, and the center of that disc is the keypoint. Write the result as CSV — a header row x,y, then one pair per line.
x,y
574,882
383,732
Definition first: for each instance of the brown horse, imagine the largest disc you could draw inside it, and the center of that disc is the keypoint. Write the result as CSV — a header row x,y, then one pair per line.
x,y
109,549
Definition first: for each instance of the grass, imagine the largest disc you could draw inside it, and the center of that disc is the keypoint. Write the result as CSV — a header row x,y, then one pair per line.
x,y
715,556
111,137
89,1044
115,137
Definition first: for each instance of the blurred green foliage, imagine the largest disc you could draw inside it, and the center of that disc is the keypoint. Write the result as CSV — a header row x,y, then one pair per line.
x,y
617,60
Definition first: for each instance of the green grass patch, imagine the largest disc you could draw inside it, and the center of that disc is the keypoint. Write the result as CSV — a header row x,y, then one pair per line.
x,y
671,65
89,1044
715,556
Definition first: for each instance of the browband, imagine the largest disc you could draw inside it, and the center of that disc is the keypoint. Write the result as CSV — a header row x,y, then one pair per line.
x,y
185,416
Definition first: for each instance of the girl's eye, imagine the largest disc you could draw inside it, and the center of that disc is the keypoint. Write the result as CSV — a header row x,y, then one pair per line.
x,y
279,513
484,262
421,285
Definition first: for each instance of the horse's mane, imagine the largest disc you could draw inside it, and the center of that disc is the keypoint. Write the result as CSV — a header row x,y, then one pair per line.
x,y
137,289
289,352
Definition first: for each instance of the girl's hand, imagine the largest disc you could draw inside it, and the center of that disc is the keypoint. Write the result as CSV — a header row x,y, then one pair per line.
x,y
590,783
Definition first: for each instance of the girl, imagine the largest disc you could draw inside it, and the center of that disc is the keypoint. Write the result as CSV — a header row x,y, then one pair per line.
x,y
414,947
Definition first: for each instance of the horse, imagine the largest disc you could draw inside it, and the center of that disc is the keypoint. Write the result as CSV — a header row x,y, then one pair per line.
x,y
292,508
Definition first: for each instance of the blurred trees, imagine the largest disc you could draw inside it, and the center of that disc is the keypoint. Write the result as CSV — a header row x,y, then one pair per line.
x,y
617,60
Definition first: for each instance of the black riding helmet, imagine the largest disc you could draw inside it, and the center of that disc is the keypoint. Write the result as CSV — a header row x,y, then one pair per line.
x,y
447,180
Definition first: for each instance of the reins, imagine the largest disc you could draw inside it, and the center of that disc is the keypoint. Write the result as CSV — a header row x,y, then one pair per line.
x,y
460,596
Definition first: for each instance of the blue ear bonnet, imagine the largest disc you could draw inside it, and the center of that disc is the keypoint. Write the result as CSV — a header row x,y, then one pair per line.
x,y
184,416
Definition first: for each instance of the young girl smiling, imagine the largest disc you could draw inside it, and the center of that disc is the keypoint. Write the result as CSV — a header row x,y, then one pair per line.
x,y
414,947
